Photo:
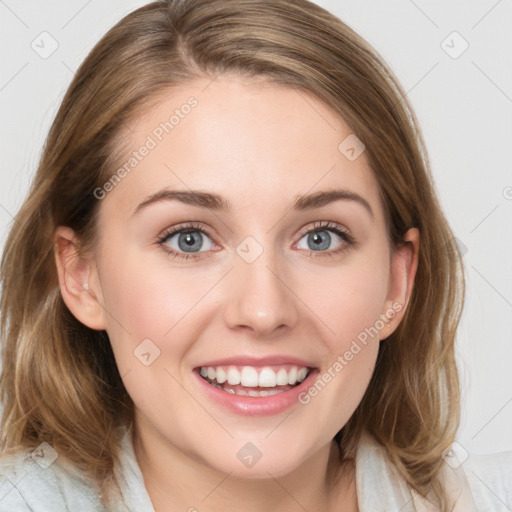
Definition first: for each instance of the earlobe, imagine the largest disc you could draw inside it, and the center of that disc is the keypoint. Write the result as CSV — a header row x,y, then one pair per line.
x,y
78,280
404,264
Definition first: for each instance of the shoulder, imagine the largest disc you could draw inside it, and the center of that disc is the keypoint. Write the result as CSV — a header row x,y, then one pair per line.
x,y
32,483
41,481
477,482
490,479
480,483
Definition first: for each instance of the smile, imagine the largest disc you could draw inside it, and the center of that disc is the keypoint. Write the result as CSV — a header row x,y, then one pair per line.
x,y
249,380
255,387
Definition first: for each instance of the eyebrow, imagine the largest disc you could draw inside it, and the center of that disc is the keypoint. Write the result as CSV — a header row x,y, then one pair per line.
x,y
216,202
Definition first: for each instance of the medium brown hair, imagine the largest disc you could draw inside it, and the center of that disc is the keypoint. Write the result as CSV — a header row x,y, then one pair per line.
x,y
60,383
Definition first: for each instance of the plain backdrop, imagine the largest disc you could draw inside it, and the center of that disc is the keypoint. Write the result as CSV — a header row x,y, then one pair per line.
x,y
453,59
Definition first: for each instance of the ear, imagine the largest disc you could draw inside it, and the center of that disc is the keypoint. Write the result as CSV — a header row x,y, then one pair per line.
x,y
78,280
404,263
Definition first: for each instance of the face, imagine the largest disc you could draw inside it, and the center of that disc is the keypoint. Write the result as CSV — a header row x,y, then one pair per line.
x,y
245,323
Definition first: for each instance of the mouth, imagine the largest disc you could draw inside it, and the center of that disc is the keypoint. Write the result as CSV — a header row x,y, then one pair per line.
x,y
255,389
254,381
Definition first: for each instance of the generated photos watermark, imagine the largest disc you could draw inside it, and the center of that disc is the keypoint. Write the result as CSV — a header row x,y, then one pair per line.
x,y
152,140
343,360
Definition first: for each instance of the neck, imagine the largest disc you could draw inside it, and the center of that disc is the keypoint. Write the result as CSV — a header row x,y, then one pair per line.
x,y
176,481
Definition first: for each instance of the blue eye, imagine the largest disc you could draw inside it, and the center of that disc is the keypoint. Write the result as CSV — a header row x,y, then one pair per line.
x,y
318,240
186,241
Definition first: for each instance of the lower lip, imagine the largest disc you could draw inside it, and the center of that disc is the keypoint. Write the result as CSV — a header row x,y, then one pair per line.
x,y
257,405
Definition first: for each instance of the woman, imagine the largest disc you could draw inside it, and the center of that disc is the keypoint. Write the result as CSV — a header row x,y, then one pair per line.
x,y
232,285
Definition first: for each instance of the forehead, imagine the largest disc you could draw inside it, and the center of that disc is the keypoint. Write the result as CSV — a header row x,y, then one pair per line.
x,y
252,141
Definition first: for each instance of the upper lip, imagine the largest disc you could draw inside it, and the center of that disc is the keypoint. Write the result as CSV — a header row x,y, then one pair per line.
x,y
258,361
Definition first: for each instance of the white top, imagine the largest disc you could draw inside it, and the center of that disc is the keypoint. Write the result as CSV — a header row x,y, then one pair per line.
x,y
480,482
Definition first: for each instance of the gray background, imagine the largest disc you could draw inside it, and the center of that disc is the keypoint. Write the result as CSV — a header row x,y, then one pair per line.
x,y
464,105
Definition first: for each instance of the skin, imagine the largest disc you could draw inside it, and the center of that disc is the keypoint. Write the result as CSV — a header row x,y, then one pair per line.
x,y
259,145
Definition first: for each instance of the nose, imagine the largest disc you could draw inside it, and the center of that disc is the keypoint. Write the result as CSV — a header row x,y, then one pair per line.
x,y
260,298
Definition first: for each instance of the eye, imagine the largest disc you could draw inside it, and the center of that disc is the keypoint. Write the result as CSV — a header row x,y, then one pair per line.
x,y
323,236
185,241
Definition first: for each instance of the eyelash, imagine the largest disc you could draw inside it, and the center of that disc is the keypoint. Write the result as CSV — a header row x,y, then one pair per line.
x,y
318,226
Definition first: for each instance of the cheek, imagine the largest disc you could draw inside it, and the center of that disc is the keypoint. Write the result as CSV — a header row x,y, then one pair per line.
x,y
146,316
350,299
349,306
144,297
143,300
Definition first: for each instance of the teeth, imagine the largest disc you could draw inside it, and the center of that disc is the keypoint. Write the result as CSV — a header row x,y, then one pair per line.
x,y
221,376
251,392
267,378
251,377
282,377
301,374
233,376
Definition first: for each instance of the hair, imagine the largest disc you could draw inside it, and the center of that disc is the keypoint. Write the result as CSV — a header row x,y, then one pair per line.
x,y
60,382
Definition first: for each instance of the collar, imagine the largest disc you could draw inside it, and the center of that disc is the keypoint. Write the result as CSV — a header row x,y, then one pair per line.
x,y
380,488
379,485
134,496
